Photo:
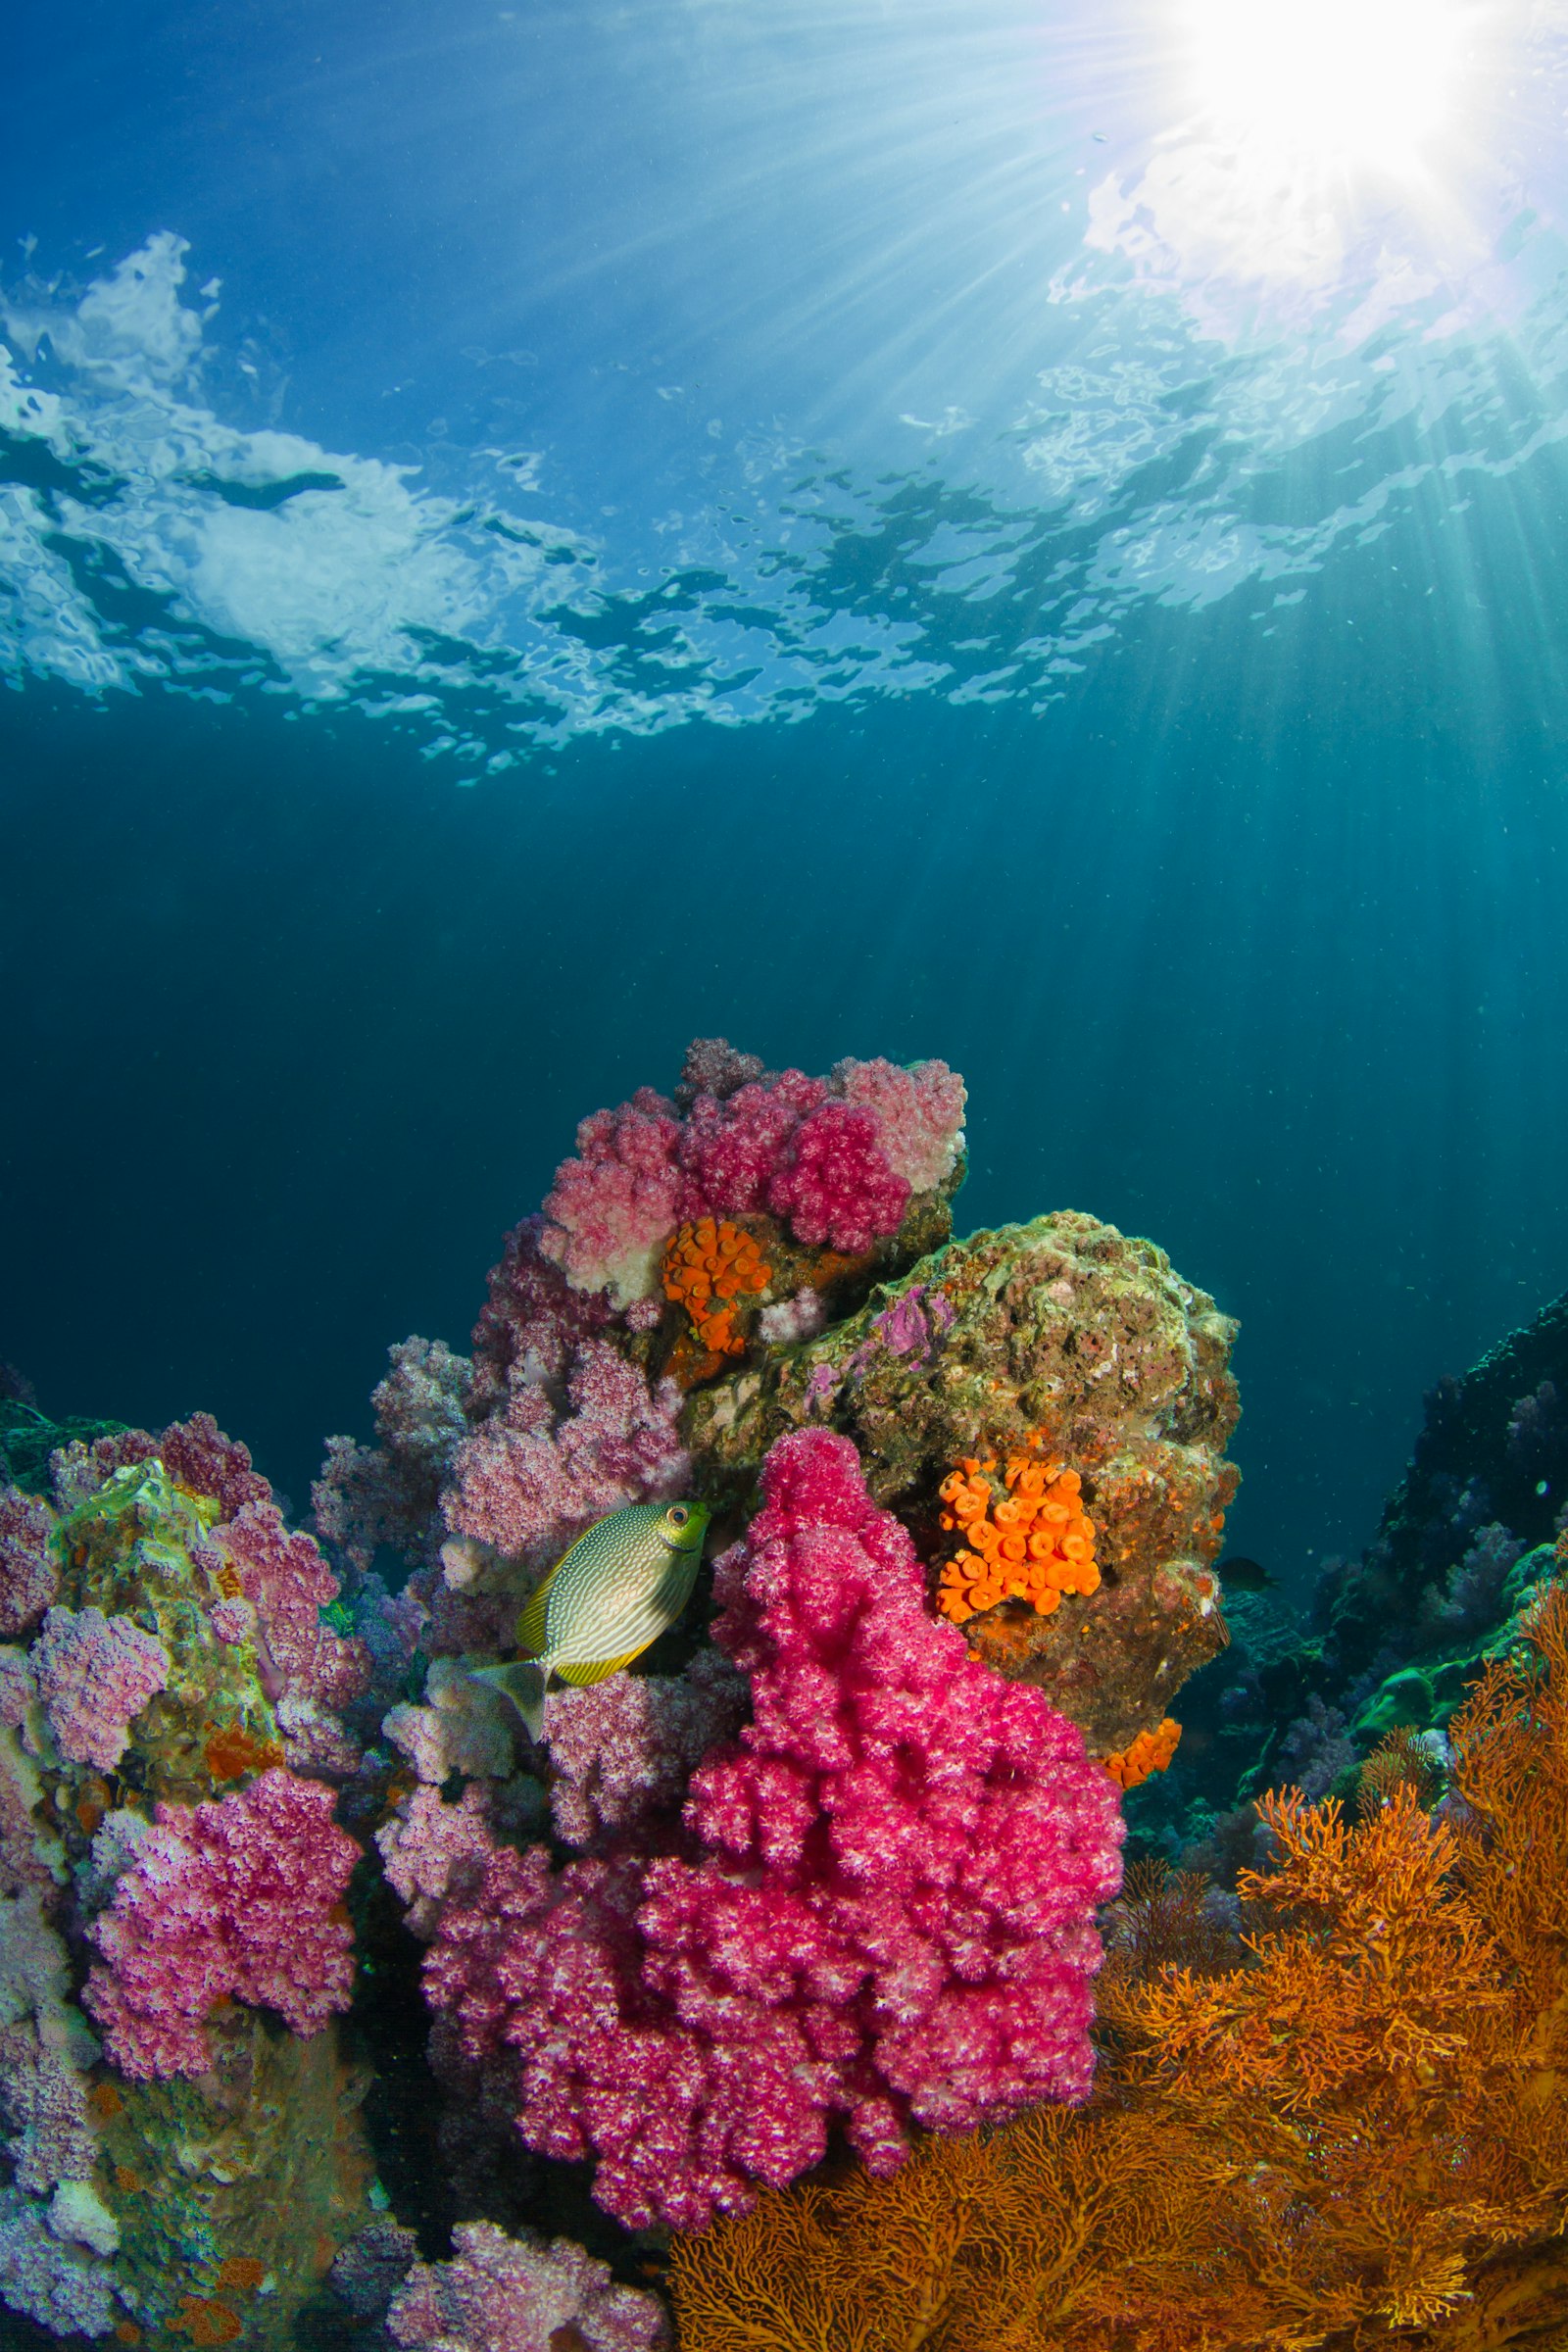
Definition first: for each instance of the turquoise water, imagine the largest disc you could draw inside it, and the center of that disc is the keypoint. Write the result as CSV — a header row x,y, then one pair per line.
x,y
531,535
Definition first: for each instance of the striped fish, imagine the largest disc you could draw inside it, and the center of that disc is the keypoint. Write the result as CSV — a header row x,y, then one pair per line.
x,y
617,1588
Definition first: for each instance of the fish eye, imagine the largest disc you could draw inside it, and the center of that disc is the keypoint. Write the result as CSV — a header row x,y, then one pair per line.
x,y
679,1515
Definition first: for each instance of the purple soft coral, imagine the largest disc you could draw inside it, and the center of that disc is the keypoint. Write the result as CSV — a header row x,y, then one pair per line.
x,y
533,1476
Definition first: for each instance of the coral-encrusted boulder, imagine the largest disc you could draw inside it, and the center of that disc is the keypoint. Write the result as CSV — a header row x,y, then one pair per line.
x,y
1066,1336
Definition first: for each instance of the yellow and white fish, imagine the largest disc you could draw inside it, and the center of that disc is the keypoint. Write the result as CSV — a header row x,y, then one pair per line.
x,y
617,1588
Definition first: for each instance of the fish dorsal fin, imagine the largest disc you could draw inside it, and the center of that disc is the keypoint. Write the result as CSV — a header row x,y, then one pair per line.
x,y
598,1670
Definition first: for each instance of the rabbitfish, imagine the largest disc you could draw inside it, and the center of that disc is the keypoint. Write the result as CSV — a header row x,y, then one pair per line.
x,y
603,1601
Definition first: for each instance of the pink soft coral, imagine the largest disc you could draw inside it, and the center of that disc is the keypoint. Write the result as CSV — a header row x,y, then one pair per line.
x,y
918,1113
732,1148
522,2294
95,1673
237,1899
29,1576
612,1206
533,1476
287,1583
886,1913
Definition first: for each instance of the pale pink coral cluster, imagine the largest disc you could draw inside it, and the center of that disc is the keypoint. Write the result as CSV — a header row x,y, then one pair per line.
x,y
371,1495
522,2294
836,1158
885,1912
240,1899
537,1472
614,1206
29,1576
426,1840
918,1113
95,1674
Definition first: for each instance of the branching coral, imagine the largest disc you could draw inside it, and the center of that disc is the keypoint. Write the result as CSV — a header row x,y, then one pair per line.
x,y
1033,1543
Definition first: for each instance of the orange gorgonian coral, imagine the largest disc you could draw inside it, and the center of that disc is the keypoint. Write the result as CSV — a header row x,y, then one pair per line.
x,y
1347,2128
1034,1544
708,1268
1149,1752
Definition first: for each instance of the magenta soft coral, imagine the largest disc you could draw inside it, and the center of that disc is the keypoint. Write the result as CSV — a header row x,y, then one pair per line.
x,y
237,1899
885,1912
834,1186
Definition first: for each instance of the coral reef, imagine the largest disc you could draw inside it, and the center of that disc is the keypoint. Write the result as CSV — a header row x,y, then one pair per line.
x,y
1060,1342
522,2294
173,1898
337,2010
1352,2128
693,2020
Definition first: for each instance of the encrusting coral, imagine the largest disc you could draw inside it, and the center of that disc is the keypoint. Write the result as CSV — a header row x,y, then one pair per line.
x,y
1352,2128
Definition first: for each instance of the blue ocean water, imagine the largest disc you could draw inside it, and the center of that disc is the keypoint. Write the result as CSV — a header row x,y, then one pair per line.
x,y
528,534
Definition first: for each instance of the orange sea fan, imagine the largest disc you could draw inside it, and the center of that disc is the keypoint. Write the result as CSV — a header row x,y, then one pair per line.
x,y
708,1268
1033,1542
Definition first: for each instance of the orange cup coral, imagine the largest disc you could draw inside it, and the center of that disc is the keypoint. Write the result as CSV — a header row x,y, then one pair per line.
x,y
1035,1543
1148,1752
708,1268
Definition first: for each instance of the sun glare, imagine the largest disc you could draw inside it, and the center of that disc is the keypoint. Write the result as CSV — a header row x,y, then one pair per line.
x,y
1349,82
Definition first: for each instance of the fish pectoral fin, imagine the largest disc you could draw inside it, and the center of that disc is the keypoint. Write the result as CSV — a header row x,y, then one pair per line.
x,y
524,1681
596,1670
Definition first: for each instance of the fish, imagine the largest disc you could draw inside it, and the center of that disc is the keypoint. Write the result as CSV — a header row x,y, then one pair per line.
x,y
1243,1574
607,1598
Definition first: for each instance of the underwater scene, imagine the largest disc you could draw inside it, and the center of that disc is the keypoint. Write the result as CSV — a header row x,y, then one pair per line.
x,y
784,1176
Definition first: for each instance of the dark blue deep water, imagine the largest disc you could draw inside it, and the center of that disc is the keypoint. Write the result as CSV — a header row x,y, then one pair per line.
x,y
528,534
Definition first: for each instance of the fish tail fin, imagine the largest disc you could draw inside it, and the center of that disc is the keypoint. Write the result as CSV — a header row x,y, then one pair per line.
x,y
524,1681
